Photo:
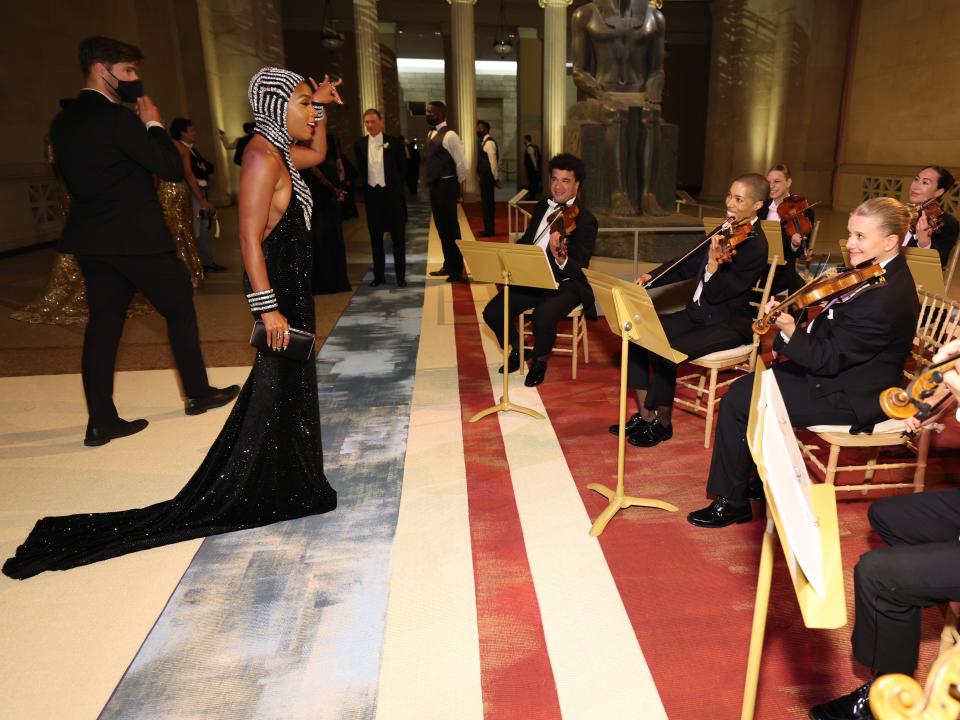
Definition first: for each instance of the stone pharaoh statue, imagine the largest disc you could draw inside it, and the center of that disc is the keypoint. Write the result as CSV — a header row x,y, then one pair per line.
x,y
618,48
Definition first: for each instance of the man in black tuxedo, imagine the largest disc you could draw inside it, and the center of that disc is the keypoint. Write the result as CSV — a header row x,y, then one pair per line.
x,y
382,164
919,568
839,363
568,257
929,184
444,169
108,157
717,317
488,175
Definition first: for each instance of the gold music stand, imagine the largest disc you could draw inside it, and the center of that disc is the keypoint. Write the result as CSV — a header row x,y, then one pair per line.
x,y
631,315
525,265
826,611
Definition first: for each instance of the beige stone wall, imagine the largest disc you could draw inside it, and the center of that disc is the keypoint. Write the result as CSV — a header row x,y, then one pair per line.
x,y
903,107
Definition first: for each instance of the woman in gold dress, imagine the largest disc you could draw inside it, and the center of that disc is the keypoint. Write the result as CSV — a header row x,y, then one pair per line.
x,y
175,201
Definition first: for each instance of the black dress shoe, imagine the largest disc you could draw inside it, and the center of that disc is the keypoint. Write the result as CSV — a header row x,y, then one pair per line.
x,y
121,428
375,282
633,424
650,434
401,282
439,273
459,279
513,362
537,372
216,398
720,513
855,706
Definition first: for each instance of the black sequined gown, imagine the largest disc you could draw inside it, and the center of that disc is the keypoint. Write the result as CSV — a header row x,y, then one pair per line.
x,y
266,465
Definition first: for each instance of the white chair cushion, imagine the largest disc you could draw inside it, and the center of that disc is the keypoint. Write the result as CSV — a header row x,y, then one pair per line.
x,y
887,426
727,354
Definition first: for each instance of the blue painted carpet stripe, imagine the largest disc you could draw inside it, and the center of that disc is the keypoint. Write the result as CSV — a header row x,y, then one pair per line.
x,y
287,621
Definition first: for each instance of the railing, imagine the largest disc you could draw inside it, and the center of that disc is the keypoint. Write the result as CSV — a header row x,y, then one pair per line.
x,y
647,230
517,217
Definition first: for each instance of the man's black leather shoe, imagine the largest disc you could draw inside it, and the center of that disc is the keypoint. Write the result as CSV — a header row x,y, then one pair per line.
x,y
460,279
375,282
401,282
720,513
439,273
633,424
855,706
650,434
216,398
536,374
513,362
97,436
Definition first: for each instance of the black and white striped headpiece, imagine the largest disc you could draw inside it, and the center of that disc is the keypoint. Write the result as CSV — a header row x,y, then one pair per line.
x,y
269,94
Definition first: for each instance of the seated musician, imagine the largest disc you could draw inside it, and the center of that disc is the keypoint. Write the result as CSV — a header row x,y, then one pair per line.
x,y
717,317
839,363
920,568
794,244
568,253
929,184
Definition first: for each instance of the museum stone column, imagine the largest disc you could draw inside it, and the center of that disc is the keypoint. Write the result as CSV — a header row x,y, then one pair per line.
x,y
554,74
368,53
463,46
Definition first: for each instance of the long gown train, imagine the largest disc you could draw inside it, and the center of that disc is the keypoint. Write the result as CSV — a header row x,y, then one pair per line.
x,y
266,465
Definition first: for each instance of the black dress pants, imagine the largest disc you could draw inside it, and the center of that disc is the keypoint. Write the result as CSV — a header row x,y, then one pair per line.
x,y
657,375
488,203
443,204
920,568
550,307
385,213
111,281
732,469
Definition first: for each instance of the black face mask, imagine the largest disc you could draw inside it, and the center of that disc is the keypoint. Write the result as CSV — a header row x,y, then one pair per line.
x,y
431,120
128,90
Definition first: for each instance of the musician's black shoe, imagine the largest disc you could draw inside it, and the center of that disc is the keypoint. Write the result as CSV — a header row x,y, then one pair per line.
x,y
537,372
633,424
458,279
439,273
720,513
650,434
513,362
855,706
97,436
401,282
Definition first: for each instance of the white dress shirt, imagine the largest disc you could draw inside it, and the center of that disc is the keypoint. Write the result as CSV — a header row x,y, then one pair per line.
x,y
453,145
375,173
542,237
490,148
772,213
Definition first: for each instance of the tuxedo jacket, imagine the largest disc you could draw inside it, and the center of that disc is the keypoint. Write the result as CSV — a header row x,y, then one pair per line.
x,y
394,162
201,167
789,254
580,245
726,295
108,160
857,348
944,239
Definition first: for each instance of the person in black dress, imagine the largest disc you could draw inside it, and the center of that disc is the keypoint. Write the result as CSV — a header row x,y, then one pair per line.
x,y
329,251
267,463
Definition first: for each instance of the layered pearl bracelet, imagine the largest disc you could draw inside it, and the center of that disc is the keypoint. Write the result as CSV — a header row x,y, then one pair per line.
x,y
263,301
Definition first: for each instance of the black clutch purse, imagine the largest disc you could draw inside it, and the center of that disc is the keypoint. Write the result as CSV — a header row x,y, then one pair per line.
x,y
299,348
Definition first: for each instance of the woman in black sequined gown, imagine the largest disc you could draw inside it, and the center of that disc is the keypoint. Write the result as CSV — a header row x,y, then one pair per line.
x,y
267,463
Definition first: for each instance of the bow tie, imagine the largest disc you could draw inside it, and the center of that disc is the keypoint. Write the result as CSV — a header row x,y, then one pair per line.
x,y
551,203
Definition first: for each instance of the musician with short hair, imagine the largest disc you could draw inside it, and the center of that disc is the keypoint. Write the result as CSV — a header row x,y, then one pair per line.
x,y
839,363
930,184
568,252
785,277
717,317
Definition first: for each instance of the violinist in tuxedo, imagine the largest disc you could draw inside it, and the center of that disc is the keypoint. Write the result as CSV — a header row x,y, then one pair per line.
x,y
568,254
839,363
717,317
108,156
785,277
930,184
382,164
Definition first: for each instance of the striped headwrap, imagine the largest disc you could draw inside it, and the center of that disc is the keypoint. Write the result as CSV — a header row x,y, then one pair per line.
x,y
269,94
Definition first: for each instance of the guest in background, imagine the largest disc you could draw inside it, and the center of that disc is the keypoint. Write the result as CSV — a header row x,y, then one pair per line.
x,y
238,144
445,170
413,165
329,253
348,206
531,163
488,172
383,168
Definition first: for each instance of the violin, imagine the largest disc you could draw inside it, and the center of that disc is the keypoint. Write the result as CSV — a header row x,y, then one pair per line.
x,y
565,222
900,403
793,217
730,235
934,212
828,287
